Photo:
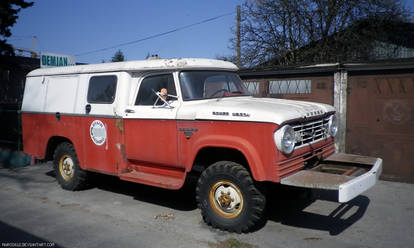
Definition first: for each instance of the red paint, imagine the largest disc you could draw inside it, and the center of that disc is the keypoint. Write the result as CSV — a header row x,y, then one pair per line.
x,y
38,129
160,152
107,157
151,141
253,139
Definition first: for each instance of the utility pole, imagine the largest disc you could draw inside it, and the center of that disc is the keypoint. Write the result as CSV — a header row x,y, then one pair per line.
x,y
238,37
34,55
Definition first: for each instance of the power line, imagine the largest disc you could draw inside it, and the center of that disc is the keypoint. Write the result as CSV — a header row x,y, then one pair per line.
x,y
156,35
20,37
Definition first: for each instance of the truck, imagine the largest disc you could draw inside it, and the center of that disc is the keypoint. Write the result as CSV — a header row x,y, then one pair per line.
x,y
156,122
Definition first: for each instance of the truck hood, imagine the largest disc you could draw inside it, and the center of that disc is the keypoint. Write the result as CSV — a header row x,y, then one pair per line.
x,y
251,109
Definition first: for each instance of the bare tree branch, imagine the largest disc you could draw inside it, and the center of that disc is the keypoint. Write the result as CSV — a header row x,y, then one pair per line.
x,y
300,31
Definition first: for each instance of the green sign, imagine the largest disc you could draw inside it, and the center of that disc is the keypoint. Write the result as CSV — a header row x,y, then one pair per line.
x,y
53,60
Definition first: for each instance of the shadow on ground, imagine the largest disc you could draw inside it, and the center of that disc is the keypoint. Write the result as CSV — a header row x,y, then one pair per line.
x,y
288,206
23,177
182,199
285,205
15,237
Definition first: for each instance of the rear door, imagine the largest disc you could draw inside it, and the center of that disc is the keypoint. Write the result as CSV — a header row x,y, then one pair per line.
x,y
99,122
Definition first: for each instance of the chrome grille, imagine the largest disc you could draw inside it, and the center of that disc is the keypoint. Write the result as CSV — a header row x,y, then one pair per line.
x,y
310,132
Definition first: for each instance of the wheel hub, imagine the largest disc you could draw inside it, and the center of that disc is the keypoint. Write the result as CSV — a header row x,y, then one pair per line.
x,y
66,167
226,199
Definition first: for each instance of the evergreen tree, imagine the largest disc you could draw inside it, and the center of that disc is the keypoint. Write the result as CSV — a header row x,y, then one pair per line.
x,y
118,56
8,16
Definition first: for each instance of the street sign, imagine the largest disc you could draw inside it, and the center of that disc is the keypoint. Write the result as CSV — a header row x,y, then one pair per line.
x,y
53,60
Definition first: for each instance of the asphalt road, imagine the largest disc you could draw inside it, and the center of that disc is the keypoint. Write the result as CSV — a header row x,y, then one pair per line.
x,y
36,212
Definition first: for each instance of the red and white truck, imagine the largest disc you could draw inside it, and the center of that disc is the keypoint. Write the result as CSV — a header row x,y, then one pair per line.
x,y
156,121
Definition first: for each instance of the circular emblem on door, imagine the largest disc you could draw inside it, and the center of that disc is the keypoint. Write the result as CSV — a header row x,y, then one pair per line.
x,y
397,112
97,131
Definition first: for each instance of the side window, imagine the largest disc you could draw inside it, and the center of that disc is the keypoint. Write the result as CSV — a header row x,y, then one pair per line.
x,y
146,95
102,89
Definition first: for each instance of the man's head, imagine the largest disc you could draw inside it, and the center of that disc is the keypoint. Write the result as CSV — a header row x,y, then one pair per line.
x,y
164,93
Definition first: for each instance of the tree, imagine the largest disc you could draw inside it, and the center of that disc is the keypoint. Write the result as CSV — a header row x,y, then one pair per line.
x,y
119,56
232,58
8,16
280,30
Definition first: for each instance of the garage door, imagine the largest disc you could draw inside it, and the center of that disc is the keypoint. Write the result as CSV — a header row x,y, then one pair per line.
x,y
380,122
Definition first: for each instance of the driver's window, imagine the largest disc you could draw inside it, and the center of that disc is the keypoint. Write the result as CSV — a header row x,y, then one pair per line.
x,y
150,85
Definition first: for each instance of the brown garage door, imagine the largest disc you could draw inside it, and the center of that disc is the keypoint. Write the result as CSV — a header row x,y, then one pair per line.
x,y
380,122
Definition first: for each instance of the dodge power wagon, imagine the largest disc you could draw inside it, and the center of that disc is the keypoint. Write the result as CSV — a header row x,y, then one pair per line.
x,y
157,121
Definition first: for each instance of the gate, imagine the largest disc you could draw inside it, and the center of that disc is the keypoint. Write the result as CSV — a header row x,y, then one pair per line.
x,y
380,122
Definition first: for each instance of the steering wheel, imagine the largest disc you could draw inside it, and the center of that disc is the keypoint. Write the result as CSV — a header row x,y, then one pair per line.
x,y
220,90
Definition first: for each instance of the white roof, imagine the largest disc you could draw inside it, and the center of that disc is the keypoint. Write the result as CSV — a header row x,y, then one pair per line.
x,y
139,65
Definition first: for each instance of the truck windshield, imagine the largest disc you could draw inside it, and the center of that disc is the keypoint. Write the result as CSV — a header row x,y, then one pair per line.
x,y
196,85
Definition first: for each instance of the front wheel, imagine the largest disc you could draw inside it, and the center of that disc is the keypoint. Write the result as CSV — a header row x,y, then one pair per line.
x,y
66,165
228,198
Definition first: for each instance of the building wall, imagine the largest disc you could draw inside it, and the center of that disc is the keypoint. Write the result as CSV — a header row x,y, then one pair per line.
x,y
314,89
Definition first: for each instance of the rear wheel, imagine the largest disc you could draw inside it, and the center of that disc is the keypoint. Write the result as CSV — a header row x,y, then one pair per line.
x,y
228,198
66,165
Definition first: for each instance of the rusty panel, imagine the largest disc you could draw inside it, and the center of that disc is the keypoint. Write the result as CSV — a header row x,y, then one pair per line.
x,y
322,90
351,159
316,180
380,122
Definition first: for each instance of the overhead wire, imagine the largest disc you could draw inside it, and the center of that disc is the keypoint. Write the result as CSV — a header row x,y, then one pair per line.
x,y
155,35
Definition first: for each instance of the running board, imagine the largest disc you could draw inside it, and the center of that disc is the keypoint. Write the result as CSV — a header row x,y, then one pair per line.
x,y
152,179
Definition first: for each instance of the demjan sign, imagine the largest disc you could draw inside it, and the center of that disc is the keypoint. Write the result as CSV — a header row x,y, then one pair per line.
x,y
53,60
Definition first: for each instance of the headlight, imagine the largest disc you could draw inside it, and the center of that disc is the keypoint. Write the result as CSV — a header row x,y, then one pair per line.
x,y
285,139
333,126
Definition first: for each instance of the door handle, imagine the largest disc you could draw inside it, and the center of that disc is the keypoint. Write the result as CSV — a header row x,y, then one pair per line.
x,y
129,111
88,108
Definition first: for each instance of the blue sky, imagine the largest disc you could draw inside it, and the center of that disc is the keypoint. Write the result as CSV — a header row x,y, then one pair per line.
x,y
76,26
79,26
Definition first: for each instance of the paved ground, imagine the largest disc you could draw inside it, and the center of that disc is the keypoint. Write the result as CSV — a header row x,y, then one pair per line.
x,y
34,209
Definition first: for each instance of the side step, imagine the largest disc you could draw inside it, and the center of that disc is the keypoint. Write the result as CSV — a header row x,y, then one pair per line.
x,y
153,179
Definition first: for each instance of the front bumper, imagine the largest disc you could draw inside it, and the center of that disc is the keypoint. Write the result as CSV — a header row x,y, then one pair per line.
x,y
349,175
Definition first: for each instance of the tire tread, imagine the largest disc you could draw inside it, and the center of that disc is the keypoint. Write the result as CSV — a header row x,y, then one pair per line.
x,y
238,173
79,180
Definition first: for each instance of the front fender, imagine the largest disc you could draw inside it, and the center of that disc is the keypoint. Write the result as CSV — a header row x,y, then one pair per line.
x,y
255,156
